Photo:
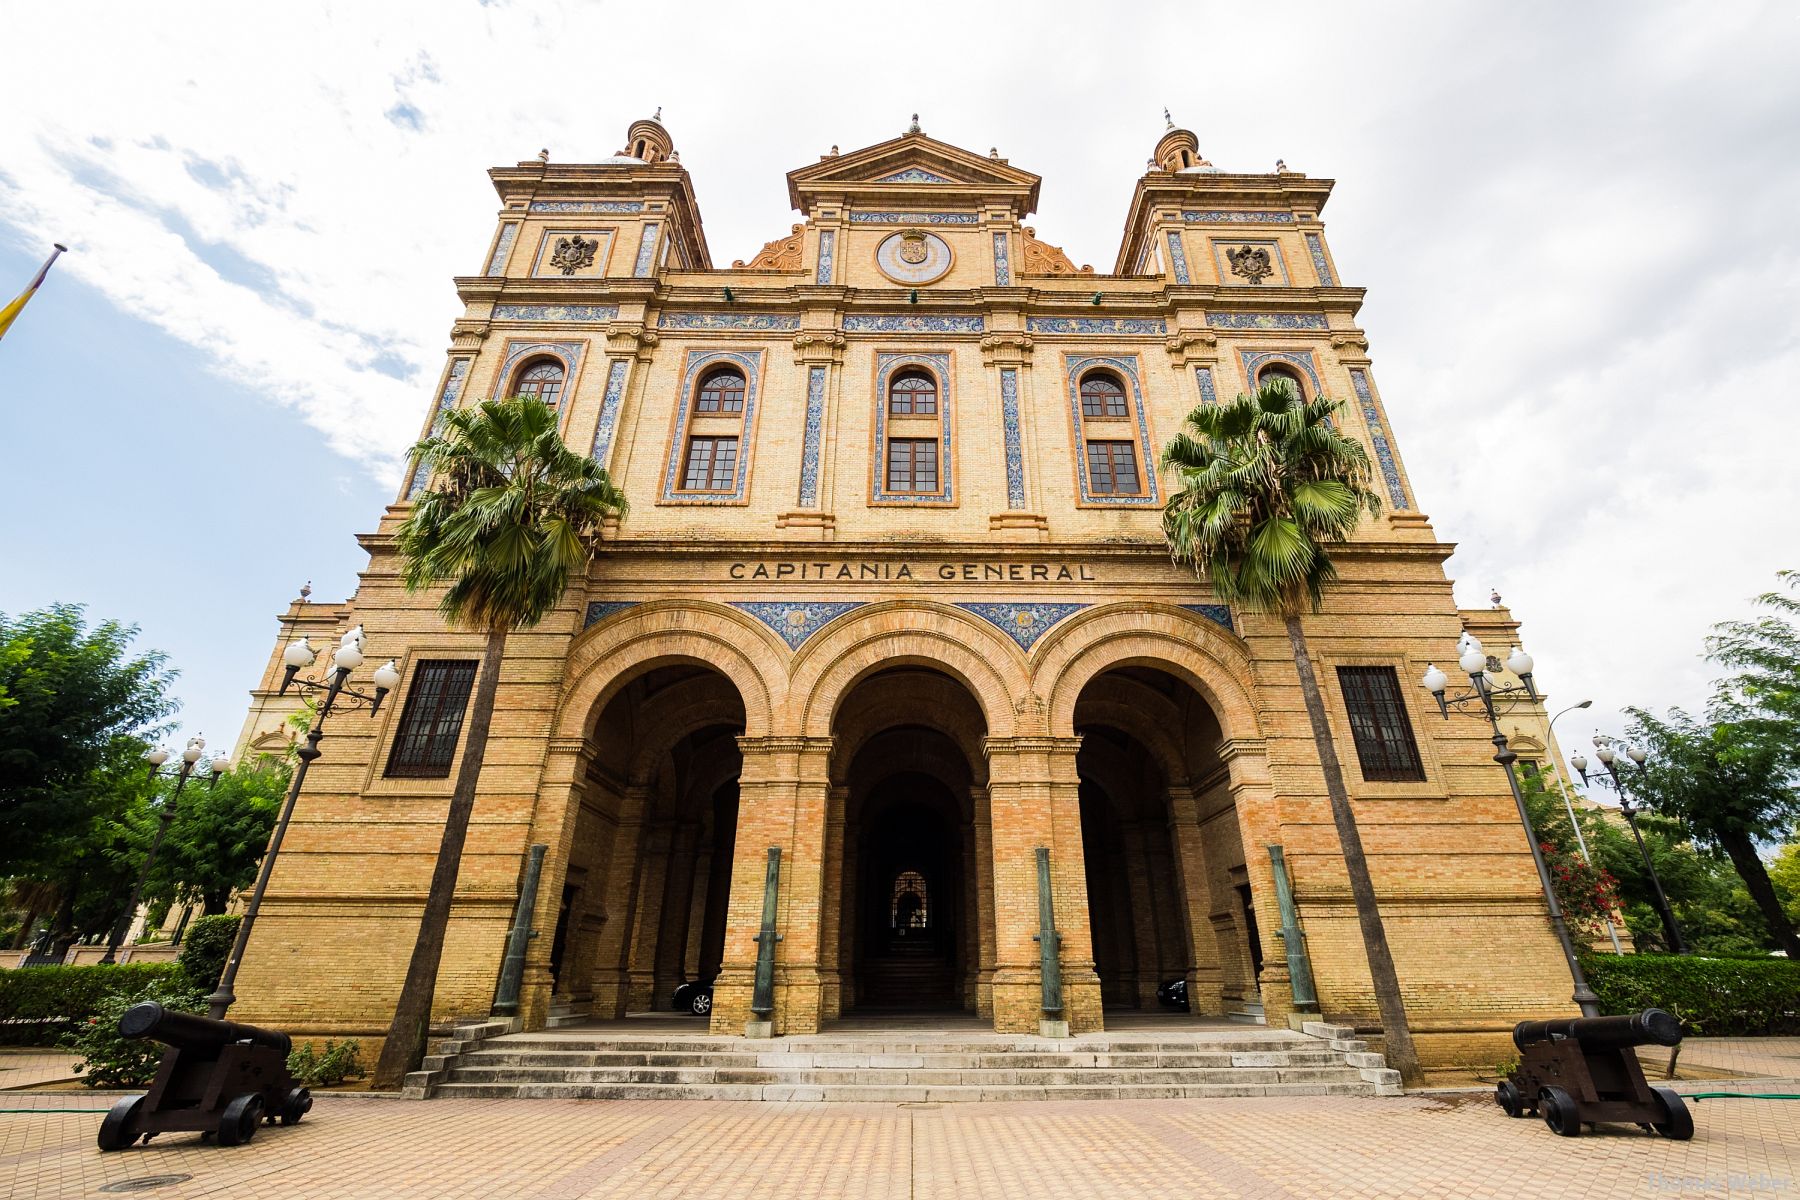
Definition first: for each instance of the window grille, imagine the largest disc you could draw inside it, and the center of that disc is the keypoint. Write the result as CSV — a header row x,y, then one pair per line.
x,y
1378,722
433,719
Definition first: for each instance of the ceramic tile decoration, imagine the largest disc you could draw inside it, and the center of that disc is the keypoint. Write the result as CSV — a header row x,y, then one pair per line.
x,y
1317,249
1384,451
609,409
502,248
646,254
1220,613
914,175
939,366
1127,368
913,218
1203,376
1002,261
929,261
561,206
448,395
569,352
1178,256
795,621
814,434
1236,217
1253,361
599,610
1136,326
750,363
584,313
827,250
912,324
771,322
1023,623
1264,320
1015,454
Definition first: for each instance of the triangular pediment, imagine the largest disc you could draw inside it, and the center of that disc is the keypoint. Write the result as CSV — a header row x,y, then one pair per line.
x,y
913,165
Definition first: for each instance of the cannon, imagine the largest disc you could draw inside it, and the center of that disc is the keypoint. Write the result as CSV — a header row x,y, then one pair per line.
x,y
1578,1071
216,1077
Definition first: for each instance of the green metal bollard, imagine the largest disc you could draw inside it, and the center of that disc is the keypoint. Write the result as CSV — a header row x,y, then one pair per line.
x,y
762,998
512,967
1053,1023
1300,979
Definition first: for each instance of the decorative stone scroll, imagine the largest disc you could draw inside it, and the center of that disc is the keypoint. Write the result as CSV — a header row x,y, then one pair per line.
x,y
1041,258
782,254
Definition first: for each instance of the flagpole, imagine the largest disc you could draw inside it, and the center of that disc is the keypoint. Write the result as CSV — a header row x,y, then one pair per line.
x,y
10,312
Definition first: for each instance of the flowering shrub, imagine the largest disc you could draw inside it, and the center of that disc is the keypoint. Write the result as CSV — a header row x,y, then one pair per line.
x,y
1587,894
111,1061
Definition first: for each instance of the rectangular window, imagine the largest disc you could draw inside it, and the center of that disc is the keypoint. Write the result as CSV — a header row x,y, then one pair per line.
x,y
1378,722
912,465
433,719
1112,469
711,464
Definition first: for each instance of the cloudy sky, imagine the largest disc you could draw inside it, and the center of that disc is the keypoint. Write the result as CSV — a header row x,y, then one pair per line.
x,y
1576,222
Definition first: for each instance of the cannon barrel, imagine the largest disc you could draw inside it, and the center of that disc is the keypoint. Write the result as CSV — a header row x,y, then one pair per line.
x,y
1652,1027
190,1031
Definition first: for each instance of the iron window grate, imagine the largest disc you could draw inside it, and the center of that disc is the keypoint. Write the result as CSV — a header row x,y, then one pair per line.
x,y
432,722
1379,724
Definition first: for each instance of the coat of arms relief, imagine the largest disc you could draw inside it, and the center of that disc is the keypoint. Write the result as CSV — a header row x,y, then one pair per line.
x,y
574,253
1251,262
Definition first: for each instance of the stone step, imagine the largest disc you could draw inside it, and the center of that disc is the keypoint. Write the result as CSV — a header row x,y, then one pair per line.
x,y
890,1093
1033,1077
1000,1061
1248,1043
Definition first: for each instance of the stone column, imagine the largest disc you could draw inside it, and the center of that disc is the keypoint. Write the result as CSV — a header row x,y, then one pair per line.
x,y
1145,915
653,870
554,824
690,961
618,895
678,894
1204,955
831,915
1259,824
983,867
1034,801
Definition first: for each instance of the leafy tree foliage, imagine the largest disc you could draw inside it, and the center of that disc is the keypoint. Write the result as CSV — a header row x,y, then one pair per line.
x,y
218,834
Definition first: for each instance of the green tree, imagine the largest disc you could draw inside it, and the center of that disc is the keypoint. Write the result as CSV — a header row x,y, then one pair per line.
x,y
511,518
218,834
1784,873
1266,486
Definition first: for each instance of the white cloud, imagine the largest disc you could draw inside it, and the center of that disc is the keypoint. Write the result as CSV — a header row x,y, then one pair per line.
x,y
1575,223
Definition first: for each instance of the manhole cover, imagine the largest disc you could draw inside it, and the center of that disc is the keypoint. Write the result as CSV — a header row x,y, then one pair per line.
x,y
146,1183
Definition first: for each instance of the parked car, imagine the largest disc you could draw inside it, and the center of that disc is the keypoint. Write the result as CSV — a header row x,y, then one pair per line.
x,y
693,997
1173,994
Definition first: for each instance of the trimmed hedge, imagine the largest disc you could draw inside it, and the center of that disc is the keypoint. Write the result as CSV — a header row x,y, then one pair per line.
x,y
208,945
40,1004
1713,997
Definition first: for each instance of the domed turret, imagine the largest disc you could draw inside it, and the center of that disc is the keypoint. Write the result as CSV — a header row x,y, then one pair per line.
x,y
1179,150
647,140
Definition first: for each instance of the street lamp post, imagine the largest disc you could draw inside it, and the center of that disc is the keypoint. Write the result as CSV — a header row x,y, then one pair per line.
x,y
1473,660
156,758
1607,754
298,656
1569,807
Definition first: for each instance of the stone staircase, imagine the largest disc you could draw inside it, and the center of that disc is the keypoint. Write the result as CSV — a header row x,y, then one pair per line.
x,y
612,1063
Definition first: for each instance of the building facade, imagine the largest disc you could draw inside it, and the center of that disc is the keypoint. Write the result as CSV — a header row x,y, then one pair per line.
x,y
892,598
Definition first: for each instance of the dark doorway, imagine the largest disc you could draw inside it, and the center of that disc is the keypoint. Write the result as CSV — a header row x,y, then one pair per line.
x,y
907,912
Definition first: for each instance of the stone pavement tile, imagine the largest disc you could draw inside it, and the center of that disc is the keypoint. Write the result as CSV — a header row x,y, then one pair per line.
x,y
1276,1147
34,1068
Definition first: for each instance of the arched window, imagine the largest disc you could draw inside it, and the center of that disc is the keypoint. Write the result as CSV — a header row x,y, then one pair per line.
x,y
912,394
640,149
1285,376
721,393
1102,398
910,907
542,378
1185,160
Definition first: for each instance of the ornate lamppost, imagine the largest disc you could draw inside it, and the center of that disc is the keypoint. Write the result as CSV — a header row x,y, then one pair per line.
x,y
1473,660
297,657
1606,751
156,758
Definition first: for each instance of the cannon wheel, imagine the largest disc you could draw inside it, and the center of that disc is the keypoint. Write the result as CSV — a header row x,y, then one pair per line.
x,y
238,1123
297,1105
119,1128
1558,1108
1506,1095
1678,1123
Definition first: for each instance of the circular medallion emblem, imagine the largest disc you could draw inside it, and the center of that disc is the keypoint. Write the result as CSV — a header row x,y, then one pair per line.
x,y
913,256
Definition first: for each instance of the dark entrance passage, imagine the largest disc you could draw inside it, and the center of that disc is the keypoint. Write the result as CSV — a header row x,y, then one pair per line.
x,y
910,878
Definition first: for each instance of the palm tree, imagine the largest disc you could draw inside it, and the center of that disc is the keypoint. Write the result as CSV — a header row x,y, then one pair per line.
x,y
512,516
1267,484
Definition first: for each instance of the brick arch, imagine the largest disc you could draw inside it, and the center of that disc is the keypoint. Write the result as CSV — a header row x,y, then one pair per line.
x,y
1153,735
668,717
947,762
1186,645
856,724
898,632
731,642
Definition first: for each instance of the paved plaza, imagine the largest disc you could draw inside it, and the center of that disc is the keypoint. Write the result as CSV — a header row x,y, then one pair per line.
x,y
1426,1145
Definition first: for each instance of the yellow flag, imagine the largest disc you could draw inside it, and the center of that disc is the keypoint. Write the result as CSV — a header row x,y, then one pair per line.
x,y
11,312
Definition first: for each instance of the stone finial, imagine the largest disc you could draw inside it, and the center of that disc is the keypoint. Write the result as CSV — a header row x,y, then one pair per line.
x,y
1168,121
1280,166
544,156
914,127
657,116
994,153
834,150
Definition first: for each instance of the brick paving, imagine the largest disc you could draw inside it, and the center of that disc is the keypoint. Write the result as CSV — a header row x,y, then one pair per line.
x,y
1425,1145
34,1068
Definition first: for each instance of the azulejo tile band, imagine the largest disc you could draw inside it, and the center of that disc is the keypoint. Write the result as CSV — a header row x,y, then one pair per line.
x,y
1317,248
1264,320
1384,451
1253,361
750,362
1178,256
585,313
1015,453
913,218
1235,217
1127,367
1203,376
797,620
1143,326
827,250
1023,623
912,324
1219,613
1002,261
814,434
448,395
556,206
502,248
570,353
885,367
609,409
914,175
773,322
599,610
646,255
